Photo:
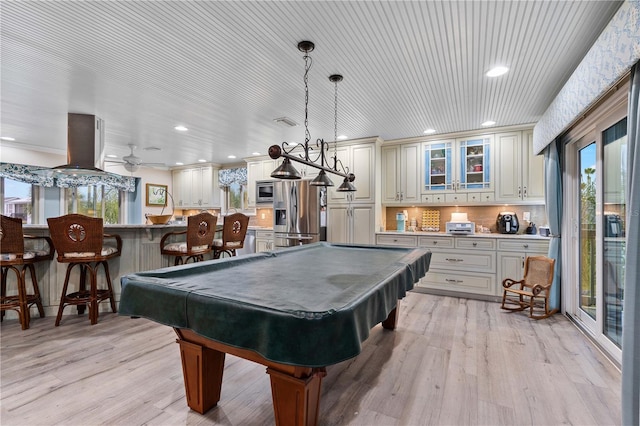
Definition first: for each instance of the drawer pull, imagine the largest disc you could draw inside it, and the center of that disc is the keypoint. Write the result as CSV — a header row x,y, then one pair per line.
x,y
435,242
475,244
526,245
449,280
454,260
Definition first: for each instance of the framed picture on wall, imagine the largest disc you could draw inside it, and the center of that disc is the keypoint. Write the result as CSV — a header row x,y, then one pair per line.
x,y
156,195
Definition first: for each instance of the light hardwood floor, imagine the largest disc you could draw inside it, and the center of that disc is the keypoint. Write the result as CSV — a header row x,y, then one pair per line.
x,y
450,362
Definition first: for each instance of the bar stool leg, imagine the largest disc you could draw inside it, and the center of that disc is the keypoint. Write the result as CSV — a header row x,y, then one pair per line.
x,y
36,290
112,298
64,293
3,288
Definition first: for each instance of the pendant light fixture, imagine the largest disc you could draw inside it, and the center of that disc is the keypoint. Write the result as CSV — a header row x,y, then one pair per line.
x,y
286,151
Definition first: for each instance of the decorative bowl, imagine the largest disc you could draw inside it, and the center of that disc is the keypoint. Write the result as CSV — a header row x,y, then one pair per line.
x,y
159,219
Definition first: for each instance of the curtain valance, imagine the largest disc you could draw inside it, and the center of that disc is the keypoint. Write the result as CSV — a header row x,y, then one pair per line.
x,y
36,175
226,177
608,60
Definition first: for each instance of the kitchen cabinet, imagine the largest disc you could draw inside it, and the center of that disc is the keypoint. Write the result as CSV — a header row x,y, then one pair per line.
x,y
264,240
401,173
351,224
258,170
461,265
470,265
196,187
519,173
511,256
453,169
360,160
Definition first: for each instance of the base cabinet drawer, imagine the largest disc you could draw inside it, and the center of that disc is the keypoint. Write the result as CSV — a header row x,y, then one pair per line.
x,y
460,282
464,261
396,240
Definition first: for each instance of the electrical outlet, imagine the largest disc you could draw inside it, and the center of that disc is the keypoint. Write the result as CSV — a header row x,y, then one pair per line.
x,y
526,216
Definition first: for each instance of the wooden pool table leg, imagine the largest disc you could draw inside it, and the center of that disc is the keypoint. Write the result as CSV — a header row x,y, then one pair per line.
x,y
202,368
296,401
392,320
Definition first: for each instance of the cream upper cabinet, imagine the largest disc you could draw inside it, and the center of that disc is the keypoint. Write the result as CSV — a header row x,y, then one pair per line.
x,y
258,170
360,160
196,187
401,173
455,169
520,174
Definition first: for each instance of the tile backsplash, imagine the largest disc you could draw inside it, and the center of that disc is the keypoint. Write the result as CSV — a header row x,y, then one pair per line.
x,y
485,215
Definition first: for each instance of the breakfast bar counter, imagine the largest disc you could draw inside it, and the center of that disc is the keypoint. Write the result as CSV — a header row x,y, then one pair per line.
x,y
140,252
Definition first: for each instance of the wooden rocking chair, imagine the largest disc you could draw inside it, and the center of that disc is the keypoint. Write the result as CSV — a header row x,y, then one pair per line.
x,y
532,292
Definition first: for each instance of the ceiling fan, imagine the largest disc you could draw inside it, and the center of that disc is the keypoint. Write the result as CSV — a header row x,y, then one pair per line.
x,y
132,162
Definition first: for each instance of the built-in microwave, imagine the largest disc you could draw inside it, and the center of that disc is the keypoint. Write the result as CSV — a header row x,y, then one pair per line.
x,y
264,192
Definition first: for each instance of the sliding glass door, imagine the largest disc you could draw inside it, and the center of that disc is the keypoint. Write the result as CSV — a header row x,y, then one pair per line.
x,y
595,222
614,188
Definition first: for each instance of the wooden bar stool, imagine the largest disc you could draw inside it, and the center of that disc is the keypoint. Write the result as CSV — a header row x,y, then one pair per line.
x,y
16,258
234,229
201,229
78,239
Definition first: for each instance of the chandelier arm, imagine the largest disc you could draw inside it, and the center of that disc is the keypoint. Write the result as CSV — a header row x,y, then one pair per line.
x,y
276,152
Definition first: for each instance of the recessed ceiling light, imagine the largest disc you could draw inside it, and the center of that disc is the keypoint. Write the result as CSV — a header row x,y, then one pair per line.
x,y
202,160
7,138
497,71
488,123
181,128
179,164
112,156
343,137
429,131
255,153
231,156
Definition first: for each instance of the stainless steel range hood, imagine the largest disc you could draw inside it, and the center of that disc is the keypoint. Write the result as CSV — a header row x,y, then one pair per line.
x,y
85,146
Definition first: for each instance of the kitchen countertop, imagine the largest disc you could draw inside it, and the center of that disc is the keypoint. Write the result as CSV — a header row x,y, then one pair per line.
x,y
477,235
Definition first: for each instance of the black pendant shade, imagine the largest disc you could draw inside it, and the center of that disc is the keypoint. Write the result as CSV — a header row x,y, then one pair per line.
x,y
346,186
286,171
321,180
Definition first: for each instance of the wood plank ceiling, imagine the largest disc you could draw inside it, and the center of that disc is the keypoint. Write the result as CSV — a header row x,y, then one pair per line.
x,y
227,69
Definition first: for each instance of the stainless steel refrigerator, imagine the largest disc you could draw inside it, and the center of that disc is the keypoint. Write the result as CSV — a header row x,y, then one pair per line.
x,y
299,213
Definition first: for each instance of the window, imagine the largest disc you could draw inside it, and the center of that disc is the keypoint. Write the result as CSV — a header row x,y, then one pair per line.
x,y
235,197
95,201
17,200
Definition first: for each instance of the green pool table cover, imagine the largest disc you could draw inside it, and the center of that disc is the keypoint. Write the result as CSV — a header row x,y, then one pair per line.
x,y
311,305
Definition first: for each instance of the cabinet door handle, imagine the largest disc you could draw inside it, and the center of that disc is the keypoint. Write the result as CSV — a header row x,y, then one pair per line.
x,y
449,280
401,196
454,260
519,192
525,192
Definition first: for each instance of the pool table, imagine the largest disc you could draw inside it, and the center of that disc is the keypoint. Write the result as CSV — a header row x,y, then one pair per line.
x,y
295,311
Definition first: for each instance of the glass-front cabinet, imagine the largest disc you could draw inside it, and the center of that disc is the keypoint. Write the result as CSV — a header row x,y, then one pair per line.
x,y
438,170
458,166
474,164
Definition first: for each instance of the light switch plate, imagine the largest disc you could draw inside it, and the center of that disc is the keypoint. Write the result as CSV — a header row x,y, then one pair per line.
x,y
526,216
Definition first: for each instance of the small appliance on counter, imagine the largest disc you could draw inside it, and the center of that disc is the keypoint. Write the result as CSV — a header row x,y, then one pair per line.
x,y
544,231
460,225
400,218
507,223
531,229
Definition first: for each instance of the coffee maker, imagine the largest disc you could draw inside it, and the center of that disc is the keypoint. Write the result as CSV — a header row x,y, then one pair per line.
x,y
507,223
